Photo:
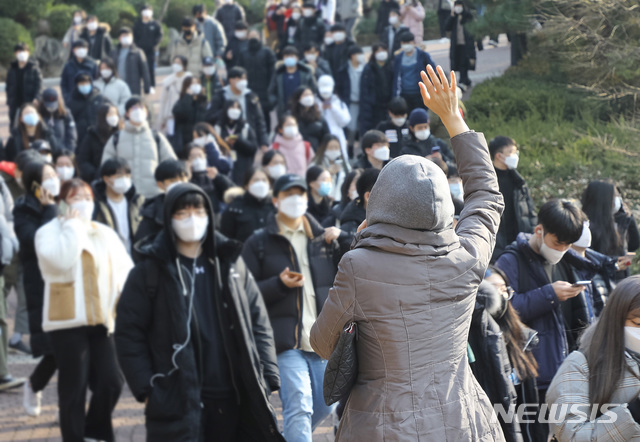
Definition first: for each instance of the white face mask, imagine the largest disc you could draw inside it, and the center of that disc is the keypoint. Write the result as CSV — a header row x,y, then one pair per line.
x,y
138,115
632,338
65,173
393,19
360,58
126,40
399,121
458,9
234,113
121,185
241,85
552,256
617,204
328,41
339,36
382,56
209,70
457,191
106,73
307,100
276,171
84,208
259,189
408,47
113,120
332,154
585,238
307,12
512,161
325,92
52,185
22,56
195,88
81,52
92,25
191,229
176,67
48,158
77,19
147,13
381,153
295,15
200,141
290,131
240,35
199,164
311,58
422,134
293,206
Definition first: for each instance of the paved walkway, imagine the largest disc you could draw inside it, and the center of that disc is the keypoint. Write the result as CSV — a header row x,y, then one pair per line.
x,y
128,417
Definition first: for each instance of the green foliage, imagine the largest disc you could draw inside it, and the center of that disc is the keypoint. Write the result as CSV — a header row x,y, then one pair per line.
x,y
503,16
179,10
25,12
60,18
254,10
566,136
117,13
10,34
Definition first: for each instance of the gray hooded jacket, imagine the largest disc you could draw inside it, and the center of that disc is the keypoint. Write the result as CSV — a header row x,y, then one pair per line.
x,y
410,283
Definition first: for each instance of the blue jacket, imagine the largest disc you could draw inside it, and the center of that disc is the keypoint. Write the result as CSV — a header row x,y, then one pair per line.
x,y
73,68
537,304
423,60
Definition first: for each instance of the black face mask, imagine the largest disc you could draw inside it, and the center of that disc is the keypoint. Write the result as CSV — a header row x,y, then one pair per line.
x,y
200,19
254,44
187,34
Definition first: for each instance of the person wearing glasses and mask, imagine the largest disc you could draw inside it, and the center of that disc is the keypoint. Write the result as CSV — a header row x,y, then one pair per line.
x,y
192,332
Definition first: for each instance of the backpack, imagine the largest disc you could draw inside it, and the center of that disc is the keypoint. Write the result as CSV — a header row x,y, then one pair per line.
x,y
156,138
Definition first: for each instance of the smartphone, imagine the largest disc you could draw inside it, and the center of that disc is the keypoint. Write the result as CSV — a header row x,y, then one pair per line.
x,y
580,283
63,208
295,275
37,189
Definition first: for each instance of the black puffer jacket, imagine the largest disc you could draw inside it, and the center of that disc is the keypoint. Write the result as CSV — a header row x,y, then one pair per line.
x,y
276,88
423,148
492,367
63,130
152,316
188,111
309,30
313,131
84,109
152,223
245,147
228,15
214,188
245,215
267,254
31,84
350,219
28,216
89,154
252,113
375,94
260,63
102,46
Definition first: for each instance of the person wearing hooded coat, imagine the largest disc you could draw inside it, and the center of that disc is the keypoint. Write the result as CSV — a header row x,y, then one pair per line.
x,y
84,108
177,363
414,381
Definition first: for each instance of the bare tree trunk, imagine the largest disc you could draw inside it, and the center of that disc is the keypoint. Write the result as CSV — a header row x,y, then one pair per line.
x,y
165,6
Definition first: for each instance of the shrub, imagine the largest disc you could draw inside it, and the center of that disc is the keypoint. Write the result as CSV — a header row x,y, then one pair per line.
x,y
25,12
10,34
60,18
179,10
254,10
117,13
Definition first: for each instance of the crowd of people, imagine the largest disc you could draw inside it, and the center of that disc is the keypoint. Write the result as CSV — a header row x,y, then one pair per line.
x,y
210,252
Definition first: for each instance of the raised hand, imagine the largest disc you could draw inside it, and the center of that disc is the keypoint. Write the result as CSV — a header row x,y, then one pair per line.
x,y
439,95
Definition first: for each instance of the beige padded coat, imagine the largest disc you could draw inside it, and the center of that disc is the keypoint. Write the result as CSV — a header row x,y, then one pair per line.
x,y
410,283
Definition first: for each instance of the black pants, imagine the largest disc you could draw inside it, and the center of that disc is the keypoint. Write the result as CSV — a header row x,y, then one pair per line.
x,y
414,101
224,420
151,62
86,356
542,399
43,373
462,63
443,16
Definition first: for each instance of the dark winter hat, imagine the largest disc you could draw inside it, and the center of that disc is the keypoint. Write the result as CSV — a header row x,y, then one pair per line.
x,y
187,22
82,77
418,116
288,181
124,30
208,61
49,95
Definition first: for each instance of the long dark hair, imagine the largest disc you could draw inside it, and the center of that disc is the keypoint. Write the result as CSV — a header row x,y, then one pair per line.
x,y
111,65
102,127
306,114
375,48
322,148
514,337
597,204
23,127
603,343
344,190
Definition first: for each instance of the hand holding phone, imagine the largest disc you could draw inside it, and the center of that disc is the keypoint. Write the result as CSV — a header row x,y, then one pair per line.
x,y
581,283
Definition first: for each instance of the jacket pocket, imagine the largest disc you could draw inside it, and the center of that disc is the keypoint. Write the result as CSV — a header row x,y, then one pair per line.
x,y
166,400
62,301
